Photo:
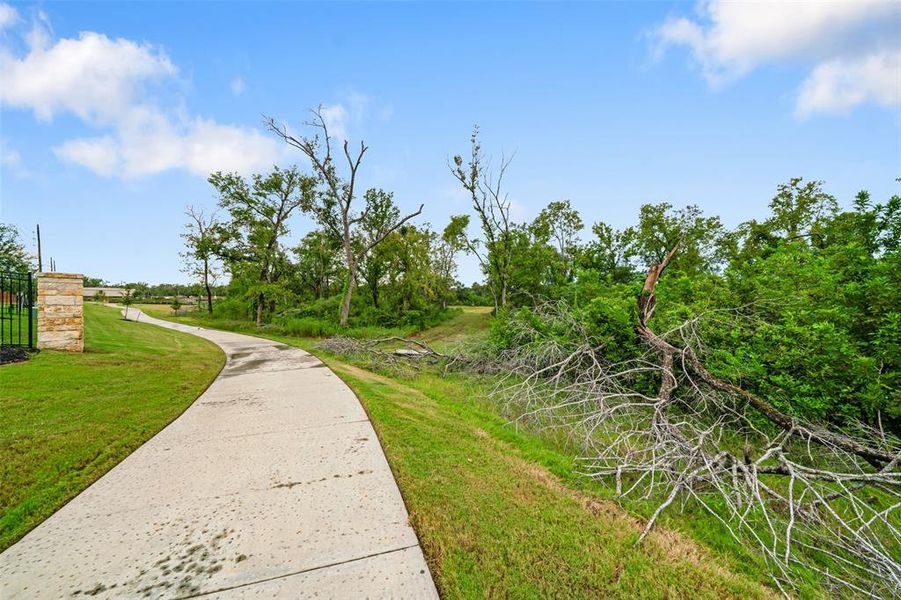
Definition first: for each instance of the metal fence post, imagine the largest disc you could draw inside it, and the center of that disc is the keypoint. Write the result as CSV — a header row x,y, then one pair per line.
x,y
2,308
30,297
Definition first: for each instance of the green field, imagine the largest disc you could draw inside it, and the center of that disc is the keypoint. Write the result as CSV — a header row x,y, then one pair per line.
x,y
66,419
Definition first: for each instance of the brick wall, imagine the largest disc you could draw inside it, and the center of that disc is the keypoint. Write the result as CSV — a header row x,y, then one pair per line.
x,y
60,312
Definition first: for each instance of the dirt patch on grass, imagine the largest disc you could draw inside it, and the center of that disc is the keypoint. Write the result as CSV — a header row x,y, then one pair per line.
x,y
366,376
426,406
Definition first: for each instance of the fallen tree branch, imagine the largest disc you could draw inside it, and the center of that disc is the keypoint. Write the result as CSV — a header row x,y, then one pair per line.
x,y
807,496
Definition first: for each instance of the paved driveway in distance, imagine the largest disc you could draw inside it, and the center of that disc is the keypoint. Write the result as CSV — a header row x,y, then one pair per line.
x,y
271,485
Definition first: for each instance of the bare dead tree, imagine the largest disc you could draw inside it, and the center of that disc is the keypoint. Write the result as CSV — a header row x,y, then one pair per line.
x,y
809,497
492,206
334,206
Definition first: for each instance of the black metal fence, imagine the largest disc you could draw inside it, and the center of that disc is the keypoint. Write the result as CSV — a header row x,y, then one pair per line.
x,y
18,321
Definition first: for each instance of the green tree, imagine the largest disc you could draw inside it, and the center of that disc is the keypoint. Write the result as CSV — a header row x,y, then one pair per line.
x,y
141,290
259,211
608,254
824,286
318,262
538,270
411,274
127,300
451,243
379,215
560,223
202,236
660,227
798,207
13,255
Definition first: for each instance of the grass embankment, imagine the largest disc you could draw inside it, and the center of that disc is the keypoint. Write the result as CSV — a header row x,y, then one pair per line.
x,y
495,520
504,513
472,322
66,419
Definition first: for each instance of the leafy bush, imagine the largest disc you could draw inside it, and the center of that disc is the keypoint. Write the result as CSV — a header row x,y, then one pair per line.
x,y
306,327
232,308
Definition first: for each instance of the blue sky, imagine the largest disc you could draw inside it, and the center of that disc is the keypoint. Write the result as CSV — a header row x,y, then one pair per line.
x,y
112,114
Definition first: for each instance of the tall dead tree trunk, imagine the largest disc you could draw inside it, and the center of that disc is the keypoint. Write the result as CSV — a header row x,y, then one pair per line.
x,y
336,214
492,206
206,285
349,286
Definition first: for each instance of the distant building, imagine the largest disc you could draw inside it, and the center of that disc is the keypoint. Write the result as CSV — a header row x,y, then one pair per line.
x,y
110,292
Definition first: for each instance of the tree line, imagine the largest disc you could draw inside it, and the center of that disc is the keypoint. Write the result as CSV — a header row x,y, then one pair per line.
x,y
816,285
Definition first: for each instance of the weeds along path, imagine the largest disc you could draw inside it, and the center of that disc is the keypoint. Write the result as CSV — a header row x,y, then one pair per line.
x,y
272,483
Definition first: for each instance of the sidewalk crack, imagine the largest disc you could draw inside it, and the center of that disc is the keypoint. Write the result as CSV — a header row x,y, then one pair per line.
x,y
300,572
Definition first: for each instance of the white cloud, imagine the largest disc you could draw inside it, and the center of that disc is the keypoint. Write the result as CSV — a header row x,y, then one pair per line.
x,y
385,113
844,41
107,84
41,33
8,16
94,77
238,86
359,105
455,196
339,117
11,160
100,155
839,85
200,146
335,118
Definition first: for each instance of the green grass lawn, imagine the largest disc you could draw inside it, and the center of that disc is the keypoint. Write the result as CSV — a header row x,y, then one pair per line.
x,y
504,513
66,419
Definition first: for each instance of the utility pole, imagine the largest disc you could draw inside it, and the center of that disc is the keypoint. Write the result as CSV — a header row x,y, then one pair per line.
x,y
40,266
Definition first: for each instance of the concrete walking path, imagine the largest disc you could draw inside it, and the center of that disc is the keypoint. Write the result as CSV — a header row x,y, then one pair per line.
x,y
272,484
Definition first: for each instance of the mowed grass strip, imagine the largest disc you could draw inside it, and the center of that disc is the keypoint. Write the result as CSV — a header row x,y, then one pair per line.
x,y
494,524
66,419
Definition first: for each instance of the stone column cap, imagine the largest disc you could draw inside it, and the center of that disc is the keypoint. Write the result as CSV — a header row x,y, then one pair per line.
x,y
55,275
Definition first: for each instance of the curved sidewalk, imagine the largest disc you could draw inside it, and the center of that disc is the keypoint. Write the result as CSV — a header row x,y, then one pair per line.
x,y
272,484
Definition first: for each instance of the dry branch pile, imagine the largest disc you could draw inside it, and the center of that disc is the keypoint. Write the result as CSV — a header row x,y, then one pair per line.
x,y
808,496
398,354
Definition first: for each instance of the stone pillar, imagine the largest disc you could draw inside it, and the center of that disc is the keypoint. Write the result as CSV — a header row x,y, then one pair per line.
x,y
60,312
